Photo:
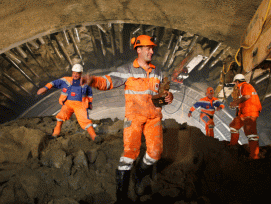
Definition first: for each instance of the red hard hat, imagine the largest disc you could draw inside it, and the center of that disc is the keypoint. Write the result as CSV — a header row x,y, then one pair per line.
x,y
142,40
210,90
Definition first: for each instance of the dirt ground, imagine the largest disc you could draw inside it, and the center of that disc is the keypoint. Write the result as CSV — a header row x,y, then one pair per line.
x,y
73,169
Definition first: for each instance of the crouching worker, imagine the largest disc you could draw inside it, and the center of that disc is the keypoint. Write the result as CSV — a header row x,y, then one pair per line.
x,y
141,80
74,98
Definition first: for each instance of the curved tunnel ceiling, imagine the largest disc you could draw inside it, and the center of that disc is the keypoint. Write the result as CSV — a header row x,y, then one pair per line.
x,y
43,39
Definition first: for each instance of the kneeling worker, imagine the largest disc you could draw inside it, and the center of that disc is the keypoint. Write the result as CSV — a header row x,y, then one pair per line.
x,y
74,98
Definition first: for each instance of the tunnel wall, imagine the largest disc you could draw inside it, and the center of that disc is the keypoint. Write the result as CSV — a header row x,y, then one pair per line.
x,y
223,21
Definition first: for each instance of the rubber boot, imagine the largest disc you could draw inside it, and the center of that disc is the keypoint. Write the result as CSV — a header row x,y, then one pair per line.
x,y
141,172
57,128
254,149
234,138
122,179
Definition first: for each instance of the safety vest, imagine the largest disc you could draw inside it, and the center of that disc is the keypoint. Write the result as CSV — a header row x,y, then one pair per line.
x,y
252,106
140,85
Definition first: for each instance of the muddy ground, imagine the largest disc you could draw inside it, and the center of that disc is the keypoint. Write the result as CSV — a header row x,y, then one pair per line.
x,y
72,169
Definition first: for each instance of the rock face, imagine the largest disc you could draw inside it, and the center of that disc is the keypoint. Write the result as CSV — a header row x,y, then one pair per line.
x,y
73,169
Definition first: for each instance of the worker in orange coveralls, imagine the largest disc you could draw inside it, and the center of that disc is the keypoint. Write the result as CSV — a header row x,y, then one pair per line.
x,y
249,109
142,80
208,105
74,98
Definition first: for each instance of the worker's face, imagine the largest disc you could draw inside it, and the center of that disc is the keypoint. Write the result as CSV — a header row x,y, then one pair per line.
x,y
210,95
76,75
145,53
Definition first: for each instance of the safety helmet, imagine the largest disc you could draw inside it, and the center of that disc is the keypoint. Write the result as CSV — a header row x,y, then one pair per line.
x,y
210,90
239,77
77,68
142,40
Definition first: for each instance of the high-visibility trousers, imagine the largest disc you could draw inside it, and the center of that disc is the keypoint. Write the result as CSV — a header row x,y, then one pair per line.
x,y
80,112
134,126
209,124
250,128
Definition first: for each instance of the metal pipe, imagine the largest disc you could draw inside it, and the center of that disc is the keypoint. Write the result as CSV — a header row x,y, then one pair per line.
x,y
64,50
150,28
7,96
34,44
268,95
205,62
77,37
102,42
21,52
8,88
33,56
136,30
93,40
75,46
102,28
66,37
263,77
21,61
60,56
121,37
41,40
13,57
19,69
168,49
192,44
112,37
174,50
223,52
16,83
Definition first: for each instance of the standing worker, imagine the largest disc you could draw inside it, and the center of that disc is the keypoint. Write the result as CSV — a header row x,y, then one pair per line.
x,y
249,109
142,80
207,105
74,98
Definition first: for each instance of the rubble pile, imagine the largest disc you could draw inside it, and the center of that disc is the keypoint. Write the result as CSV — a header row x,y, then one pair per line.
x,y
73,169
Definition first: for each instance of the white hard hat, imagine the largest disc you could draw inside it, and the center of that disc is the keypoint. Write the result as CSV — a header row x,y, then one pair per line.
x,y
77,68
239,77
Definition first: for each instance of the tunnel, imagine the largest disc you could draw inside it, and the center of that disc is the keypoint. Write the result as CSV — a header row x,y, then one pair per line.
x,y
41,40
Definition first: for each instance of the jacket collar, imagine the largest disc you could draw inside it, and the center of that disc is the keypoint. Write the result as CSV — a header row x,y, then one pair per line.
x,y
136,65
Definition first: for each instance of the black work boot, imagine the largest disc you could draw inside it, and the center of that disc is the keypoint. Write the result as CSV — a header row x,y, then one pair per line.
x,y
142,171
122,178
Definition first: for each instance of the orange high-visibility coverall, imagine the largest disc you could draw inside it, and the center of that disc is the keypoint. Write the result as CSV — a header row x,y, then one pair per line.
x,y
207,112
74,99
140,113
248,113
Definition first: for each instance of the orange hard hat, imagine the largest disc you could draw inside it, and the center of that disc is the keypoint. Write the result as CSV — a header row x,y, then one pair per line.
x,y
210,90
142,40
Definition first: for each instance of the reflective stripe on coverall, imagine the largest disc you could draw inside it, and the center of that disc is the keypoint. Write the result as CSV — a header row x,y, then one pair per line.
x,y
140,113
207,112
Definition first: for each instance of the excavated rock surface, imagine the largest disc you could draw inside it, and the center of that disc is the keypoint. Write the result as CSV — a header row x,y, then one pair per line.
x,y
73,169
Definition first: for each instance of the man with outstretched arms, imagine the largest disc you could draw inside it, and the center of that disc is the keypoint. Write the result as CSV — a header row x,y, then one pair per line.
x,y
142,80
74,98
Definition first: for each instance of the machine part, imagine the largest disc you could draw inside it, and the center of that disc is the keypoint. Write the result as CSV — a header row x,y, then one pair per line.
x,y
21,52
174,50
7,96
19,69
102,41
212,53
121,37
256,39
64,50
77,37
33,56
168,49
112,37
66,37
60,56
192,44
41,40
16,83
220,55
75,46
34,44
